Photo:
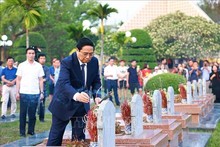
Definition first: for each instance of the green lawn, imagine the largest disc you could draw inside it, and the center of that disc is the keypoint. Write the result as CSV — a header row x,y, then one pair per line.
x,y
214,141
10,131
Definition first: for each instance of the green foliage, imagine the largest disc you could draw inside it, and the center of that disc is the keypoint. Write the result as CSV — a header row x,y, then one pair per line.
x,y
179,36
102,11
141,55
164,81
214,141
140,50
143,38
36,39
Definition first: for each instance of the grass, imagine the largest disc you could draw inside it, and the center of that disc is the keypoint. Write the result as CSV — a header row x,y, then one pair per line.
x,y
214,141
9,131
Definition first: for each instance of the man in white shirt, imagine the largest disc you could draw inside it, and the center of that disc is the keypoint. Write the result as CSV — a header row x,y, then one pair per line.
x,y
111,74
122,77
29,87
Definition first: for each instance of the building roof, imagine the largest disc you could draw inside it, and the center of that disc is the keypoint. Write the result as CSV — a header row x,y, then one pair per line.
x,y
153,9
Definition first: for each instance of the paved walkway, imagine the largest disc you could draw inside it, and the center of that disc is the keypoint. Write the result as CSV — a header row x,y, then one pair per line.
x,y
190,138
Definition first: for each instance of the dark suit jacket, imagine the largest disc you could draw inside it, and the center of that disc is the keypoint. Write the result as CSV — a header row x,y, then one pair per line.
x,y
70,82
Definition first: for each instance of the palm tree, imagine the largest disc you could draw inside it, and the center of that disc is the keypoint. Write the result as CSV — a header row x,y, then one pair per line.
x,y
29,11
102,12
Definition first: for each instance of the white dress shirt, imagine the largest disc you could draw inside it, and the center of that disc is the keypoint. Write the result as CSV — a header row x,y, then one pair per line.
x,y
30,74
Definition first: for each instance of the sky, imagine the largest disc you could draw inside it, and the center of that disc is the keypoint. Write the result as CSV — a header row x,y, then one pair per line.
x,y
126,9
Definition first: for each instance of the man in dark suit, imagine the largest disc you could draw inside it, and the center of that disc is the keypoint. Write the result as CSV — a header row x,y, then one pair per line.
x,y
79,74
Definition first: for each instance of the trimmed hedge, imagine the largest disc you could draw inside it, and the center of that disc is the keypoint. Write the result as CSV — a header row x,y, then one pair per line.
x,y
164,81
143,38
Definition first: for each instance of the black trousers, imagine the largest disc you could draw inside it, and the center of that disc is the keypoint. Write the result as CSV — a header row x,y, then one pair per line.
x,y
58,127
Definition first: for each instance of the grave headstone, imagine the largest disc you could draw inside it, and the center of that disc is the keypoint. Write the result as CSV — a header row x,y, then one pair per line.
x,y
106,124
189,92
170,100
136,115
157,107
200,87
195,89
204,91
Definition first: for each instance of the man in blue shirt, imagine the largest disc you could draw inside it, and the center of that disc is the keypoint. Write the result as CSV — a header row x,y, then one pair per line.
x,y
46,77
9,88
132,78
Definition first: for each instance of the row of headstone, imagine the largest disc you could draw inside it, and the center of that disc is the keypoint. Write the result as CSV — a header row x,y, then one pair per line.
x,y
106,116
106,121
195,90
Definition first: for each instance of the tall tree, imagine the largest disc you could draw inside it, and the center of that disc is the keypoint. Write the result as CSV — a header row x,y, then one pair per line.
x,y
29,13
102,12
177,35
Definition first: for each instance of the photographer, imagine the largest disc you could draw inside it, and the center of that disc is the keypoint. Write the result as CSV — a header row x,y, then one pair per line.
x,y
206,70
215,80
195,72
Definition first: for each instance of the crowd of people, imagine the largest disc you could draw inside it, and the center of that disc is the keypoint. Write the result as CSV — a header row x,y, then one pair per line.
x,y
74,77
121,77
27,82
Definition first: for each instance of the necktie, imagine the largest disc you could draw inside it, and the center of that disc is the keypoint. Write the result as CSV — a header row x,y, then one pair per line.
x,y
83,74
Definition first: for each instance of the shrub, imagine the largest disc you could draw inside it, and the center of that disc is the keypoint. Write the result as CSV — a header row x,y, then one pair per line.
x,y
164,81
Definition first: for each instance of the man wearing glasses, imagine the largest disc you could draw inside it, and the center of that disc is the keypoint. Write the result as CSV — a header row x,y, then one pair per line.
x,y
79,74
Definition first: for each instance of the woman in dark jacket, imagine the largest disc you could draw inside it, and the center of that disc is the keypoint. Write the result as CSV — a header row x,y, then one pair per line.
x,y
215,81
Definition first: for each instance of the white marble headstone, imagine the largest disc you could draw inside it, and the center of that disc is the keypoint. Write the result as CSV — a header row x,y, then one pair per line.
x,y
195,89
170,100
189,92
106,124
200,87
136,115
157,106
204,87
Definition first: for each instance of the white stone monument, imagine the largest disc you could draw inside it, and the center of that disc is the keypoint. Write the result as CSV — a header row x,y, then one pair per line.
x,y
189,92
200,87
170,100
204,86
136,115
106,124
157,107
195,89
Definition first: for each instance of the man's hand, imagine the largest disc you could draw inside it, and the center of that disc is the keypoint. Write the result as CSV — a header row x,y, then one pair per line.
x,y
97,100
41,96
83,97
18,96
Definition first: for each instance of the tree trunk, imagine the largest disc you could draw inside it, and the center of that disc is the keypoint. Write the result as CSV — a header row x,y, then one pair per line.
x,y
27,38
102,45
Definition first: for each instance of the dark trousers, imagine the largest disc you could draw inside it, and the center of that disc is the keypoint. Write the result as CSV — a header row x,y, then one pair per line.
x,y
113,84
41,108
58,127
28,105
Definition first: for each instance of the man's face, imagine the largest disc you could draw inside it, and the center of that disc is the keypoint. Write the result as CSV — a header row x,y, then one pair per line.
x,y
10,62
57,63
85,54
134,63
111,62
30,55
122,63
42,60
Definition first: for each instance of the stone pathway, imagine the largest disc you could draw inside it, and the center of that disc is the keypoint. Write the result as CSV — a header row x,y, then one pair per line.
x,y
190,138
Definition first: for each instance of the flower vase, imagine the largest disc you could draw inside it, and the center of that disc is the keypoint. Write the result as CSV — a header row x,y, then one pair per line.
x,y
93,144
128,129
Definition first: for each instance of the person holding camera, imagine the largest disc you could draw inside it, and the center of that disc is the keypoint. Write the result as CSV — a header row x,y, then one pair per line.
x,y
79,73
206,70
194,72
215,80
